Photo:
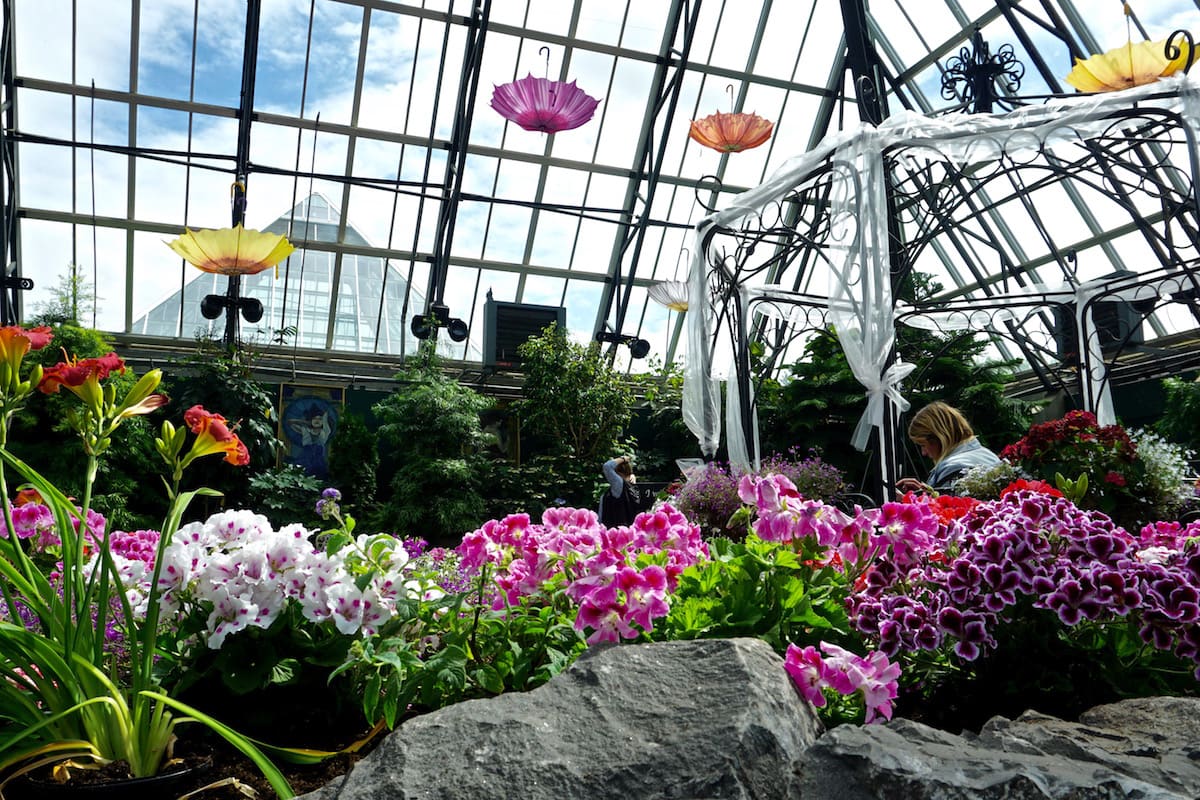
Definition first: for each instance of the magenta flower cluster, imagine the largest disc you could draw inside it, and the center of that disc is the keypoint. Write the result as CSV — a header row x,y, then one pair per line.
x,y
902,531
846,673
620,579
1042,552
35,522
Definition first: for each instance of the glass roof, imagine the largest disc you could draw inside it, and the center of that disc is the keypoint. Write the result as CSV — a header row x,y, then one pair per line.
x,y
363,130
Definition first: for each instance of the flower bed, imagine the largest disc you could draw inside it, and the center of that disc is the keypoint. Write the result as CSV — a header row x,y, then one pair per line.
x,y
947,608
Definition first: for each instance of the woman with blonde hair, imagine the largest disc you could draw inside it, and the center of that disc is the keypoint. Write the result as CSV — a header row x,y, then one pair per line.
x,y
946,438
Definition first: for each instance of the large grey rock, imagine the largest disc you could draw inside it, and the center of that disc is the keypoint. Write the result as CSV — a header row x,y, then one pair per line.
x,y
1146,749
705,719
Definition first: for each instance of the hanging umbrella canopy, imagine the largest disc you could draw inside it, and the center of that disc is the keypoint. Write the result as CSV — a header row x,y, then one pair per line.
x,y
232,251
731,133
1131,64
540,104
672,294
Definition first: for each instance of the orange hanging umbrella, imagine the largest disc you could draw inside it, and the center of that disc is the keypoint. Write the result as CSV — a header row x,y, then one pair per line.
x,y
731,133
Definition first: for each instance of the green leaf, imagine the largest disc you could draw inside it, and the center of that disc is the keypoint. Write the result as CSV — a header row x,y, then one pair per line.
x,y
274,777
487,677
285,671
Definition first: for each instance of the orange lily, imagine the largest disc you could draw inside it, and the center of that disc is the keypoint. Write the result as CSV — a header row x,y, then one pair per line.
x,y
214,436
232,251
15,343
81,376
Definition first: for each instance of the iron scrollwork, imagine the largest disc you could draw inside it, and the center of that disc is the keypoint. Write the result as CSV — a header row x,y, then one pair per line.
x,y
1173,51
981,79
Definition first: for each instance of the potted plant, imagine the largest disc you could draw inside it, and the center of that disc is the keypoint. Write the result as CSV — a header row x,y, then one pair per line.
x,y
70,697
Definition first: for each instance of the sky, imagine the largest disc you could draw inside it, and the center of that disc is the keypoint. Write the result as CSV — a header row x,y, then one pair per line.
x,y
403,100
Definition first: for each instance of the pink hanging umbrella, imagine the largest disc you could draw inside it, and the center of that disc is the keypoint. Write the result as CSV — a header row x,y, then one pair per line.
x,y
540,104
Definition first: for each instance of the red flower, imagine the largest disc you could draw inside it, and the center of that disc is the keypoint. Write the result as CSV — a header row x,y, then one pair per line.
x,y
947,506
74,374
1114,477
214,436
944,506
1035,485
34,338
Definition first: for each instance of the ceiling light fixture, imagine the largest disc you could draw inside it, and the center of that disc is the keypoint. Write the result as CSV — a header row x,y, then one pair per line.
x,y
426,325
638,348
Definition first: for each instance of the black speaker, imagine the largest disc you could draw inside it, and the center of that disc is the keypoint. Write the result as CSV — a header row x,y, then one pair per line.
x,y
507,326
1117,323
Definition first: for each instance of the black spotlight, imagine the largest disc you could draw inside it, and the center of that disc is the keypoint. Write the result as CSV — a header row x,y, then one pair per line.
x,y
426,325
252,309
212,305
422,326
457,329
638,348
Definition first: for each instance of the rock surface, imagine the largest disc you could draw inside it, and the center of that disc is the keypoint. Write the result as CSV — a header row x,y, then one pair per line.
x,y
720,719
1147,749
703,719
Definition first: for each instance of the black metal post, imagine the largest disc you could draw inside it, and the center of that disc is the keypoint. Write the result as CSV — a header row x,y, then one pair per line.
x,y
233,293
437,313
11,282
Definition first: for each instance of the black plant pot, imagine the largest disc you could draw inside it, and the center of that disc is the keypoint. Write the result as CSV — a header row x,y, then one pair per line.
x,y
171,783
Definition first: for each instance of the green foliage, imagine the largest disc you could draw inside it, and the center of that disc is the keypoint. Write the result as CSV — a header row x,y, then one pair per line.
x,y
773,591
479,653
354,463
438,499
817,406
128,477
218,378
285,494
539,483
575,403
431,424
1181,412
259,671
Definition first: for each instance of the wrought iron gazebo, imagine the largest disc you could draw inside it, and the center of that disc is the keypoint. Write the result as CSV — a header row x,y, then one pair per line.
x,y
827,240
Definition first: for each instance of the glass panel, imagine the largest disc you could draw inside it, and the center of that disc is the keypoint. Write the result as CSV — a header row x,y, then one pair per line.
x,y
508,231
388,80
285,82
598,23
541,290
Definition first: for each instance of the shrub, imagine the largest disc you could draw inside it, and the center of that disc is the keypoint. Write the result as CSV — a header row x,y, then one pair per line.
x,y
710,498
1132,487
